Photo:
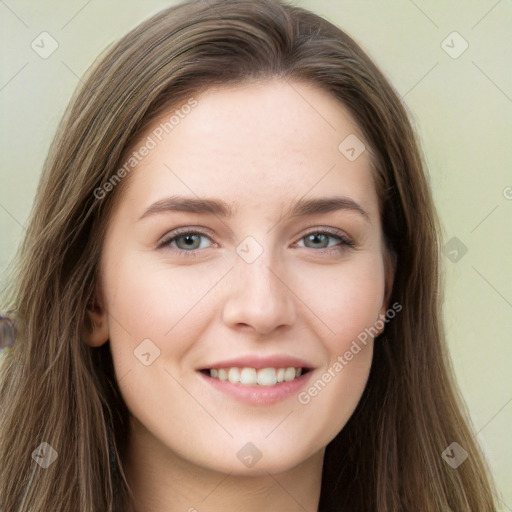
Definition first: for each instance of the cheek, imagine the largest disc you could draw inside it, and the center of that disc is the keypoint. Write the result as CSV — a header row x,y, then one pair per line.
x,y
155,302
348,302
346,299
333,395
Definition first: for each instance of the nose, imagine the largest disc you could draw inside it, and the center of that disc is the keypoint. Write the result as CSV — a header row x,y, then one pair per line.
x,y
259,297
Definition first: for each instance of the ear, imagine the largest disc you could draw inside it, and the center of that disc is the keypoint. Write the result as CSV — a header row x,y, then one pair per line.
x,y
96,326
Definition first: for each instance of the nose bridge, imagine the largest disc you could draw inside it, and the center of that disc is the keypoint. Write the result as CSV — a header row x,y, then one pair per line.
x,y
257,295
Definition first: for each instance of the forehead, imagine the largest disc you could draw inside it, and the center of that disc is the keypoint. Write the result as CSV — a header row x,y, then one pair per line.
x,y
258,144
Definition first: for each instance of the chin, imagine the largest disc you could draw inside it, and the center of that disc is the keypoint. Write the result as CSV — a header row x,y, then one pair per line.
x,y
251,461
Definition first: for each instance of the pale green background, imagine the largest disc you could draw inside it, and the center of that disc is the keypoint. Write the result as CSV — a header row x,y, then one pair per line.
x,y
462,108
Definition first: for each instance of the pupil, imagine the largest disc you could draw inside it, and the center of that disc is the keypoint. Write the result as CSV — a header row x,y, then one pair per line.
x,y
317,238
189,240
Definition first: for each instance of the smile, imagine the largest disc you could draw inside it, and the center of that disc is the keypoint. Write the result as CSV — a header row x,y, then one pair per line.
x,y
256,379
248,376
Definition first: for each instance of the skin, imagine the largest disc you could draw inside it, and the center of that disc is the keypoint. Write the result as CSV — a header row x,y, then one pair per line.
x,y
260,148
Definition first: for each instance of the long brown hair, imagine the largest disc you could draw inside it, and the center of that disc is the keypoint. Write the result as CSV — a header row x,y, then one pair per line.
x,y
56,389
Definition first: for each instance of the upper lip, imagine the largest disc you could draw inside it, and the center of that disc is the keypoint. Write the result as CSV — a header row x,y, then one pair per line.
x,y
258,362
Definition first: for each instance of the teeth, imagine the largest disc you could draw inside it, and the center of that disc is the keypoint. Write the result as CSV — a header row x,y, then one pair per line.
x,y
249,377
267,377
289,374
253,377
234,375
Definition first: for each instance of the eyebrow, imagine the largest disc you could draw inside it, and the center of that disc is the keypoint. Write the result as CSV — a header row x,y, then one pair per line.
x,y
300,208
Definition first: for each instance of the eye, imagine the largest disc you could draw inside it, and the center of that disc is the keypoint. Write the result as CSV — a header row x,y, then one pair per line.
x,y
324,239
185,241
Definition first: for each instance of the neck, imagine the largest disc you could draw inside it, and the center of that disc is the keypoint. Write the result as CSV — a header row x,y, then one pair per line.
x,y
162,481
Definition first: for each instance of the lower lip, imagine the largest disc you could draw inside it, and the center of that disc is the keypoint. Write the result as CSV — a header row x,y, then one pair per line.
x,y
259,395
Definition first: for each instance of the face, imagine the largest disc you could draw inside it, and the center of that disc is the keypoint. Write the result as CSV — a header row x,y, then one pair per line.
x,y
274,281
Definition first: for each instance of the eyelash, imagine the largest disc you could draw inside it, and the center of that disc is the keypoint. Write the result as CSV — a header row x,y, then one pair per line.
x,y
346,243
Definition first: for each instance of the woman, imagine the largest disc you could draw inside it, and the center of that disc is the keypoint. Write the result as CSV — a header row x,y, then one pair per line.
x,y
259,370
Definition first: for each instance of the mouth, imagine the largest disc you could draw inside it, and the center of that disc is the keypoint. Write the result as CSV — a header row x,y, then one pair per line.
x,y
250,376
257,380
